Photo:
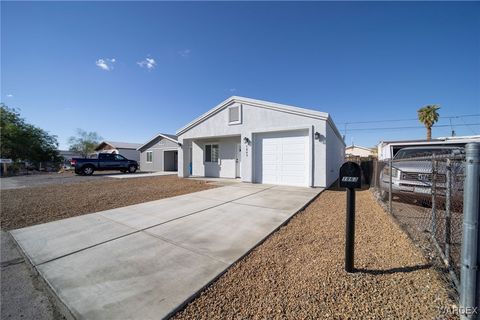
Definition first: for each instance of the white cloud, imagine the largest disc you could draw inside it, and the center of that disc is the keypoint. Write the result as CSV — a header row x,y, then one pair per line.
x,y
232,90
105,63
185,53
148,63
9,95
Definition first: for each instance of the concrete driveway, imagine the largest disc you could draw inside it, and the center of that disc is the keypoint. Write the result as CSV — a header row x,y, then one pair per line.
x,y
146,261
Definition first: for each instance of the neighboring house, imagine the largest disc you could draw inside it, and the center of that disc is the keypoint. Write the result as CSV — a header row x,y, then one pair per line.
x,y
159,153
126,149
358,151
68,155
388,149
262,142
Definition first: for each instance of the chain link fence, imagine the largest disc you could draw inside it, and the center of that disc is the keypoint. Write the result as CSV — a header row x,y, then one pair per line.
x,y
423,190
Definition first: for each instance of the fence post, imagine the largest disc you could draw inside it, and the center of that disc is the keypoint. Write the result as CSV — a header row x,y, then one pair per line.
x,y
433,227
469,274
448,204
390,186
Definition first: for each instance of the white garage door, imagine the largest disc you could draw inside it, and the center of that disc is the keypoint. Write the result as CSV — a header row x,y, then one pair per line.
x,y
282,158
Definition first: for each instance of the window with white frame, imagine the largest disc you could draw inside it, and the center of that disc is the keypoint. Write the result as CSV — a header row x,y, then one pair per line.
x,y
211,153
149,156
235,114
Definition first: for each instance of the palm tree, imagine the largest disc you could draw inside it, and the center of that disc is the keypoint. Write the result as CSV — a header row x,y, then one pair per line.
x,y
428,115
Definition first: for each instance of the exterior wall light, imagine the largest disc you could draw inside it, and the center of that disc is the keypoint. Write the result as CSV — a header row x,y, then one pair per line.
x,y
246,140
179,144
319,137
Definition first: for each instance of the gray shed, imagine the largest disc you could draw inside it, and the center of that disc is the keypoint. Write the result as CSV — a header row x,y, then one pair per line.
x,y
159,153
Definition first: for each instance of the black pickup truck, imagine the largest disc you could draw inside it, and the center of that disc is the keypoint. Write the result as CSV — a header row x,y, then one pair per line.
x,y
104,161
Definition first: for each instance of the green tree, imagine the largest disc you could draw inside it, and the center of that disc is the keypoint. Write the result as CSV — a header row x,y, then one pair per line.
x,y
84,142
22,141
428,115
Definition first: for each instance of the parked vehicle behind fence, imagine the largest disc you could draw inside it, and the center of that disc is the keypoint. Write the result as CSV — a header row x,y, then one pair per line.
x,y
413,173
104,161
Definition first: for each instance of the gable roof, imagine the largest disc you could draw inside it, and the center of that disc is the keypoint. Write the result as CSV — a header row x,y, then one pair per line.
x,y
170,137
261,104
118,145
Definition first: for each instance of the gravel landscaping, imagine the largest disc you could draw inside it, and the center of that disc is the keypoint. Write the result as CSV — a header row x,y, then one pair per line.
x,y
29,206
297,273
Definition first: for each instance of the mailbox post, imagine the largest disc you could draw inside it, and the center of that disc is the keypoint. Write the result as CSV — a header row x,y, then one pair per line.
x,y
350,178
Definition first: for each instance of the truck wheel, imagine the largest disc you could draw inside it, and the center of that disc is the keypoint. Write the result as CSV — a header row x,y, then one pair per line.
x,y
132,169
88,170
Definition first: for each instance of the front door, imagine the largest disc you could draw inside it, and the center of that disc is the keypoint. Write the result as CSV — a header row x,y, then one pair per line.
x,y
175,161
238,158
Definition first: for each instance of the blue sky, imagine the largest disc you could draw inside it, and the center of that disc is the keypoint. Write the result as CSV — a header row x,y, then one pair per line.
x,y
71,65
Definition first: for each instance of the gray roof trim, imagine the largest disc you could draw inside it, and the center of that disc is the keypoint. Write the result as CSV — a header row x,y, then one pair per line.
x,y
261,104
170,137
456,139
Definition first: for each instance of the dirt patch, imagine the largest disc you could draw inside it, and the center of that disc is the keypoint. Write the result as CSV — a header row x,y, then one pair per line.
x,y
29,206
298,273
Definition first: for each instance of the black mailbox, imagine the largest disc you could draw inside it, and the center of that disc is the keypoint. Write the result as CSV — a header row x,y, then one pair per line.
x,y
350,178
350,175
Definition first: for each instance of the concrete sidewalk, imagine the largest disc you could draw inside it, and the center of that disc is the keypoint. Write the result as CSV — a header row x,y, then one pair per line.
x,y
145,261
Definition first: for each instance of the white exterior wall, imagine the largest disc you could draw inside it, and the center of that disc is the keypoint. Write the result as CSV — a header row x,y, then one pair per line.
x,y
335,156
257,119
225,168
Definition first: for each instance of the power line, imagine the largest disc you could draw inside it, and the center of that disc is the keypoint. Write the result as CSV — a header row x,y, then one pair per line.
x,y
414,127
411,119
468,126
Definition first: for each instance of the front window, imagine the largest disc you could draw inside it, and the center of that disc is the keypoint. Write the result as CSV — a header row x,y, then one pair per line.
x,y
119,157
211,153
149,156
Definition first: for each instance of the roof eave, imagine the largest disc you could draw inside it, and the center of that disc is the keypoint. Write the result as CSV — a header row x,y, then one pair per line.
x,y
155,137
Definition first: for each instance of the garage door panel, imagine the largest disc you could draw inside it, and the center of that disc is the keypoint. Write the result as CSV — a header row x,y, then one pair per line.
x,y
282,158
292,169
293,157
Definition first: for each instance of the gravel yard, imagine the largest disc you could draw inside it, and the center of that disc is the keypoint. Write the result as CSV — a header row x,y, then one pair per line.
x,y
48,178
297,273
29,206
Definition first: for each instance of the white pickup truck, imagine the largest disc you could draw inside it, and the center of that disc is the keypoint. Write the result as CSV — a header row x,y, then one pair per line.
x,y
412,173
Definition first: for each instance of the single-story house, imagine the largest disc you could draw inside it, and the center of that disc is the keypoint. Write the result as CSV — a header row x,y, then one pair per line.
x,y
126,149
358,151
68,155
160,153
262,142
388,149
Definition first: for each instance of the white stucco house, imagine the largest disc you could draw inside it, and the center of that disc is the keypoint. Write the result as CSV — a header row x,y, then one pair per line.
x,y
358,151
262,142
